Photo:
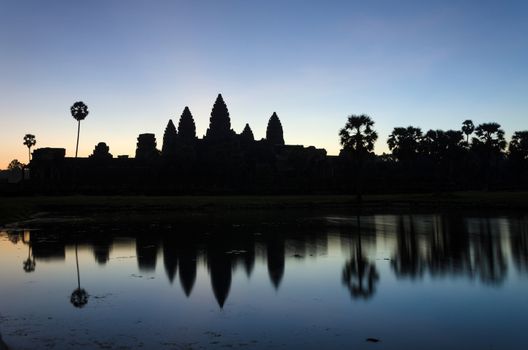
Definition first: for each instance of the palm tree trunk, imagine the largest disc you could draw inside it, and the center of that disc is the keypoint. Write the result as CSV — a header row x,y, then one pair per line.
x,y
78,132
77,262
29,155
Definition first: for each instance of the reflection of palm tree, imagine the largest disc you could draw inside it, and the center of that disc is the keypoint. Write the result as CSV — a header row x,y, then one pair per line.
x,y
79,296
359,274
29,263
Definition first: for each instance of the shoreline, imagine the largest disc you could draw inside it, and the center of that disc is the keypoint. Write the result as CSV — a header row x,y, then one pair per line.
x,y
17,209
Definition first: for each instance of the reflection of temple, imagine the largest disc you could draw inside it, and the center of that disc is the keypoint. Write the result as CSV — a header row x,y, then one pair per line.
x,y
147,252
221,161
180,256
434,245
275,253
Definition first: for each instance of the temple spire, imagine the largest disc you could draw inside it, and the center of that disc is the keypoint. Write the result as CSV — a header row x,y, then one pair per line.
x,y
186,126
219,123
247,133
169,140
274,132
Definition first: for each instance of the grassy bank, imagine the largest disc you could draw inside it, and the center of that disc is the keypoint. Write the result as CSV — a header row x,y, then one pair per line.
x,y
22,208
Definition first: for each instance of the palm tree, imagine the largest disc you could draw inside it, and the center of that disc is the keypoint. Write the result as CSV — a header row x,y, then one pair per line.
x,y
357,139
79,111
518,154
491,136
29,141
468,128
404,142
489,145
79,296
519,145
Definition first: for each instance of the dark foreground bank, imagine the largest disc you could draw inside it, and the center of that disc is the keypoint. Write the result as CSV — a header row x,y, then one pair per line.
x,y
13,209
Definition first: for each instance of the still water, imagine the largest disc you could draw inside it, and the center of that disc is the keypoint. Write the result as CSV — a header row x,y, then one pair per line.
x,y
438,281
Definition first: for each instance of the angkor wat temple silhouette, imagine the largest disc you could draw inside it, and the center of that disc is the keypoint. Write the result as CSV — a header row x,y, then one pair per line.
x,y
221,161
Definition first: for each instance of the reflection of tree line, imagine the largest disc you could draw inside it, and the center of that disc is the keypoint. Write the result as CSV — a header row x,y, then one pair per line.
x,y
448,246
438,245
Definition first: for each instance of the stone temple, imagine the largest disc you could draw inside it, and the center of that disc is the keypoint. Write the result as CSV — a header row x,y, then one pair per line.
x,y
223,161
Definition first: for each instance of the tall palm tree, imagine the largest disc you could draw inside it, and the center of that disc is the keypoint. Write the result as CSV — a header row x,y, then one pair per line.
x,y
29,141
79,296
79,111
468,128
357,139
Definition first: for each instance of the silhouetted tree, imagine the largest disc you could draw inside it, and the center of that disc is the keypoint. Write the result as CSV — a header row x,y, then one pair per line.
x,y
79,111
491,137
169,147
404,142
15,165
357,139
220,123
432,144
518,156
186,126
518,148
29,141
468,128
488,145
274,133
441,145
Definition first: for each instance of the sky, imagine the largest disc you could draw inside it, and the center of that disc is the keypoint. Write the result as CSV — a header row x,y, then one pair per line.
x,y
138,63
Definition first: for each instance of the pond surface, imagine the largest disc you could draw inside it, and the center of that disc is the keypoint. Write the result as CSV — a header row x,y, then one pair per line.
x,y
314,282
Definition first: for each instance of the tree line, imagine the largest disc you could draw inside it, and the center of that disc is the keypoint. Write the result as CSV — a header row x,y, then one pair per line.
x,y
473,156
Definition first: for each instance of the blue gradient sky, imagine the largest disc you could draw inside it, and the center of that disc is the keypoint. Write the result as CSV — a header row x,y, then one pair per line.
x,y
138,63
